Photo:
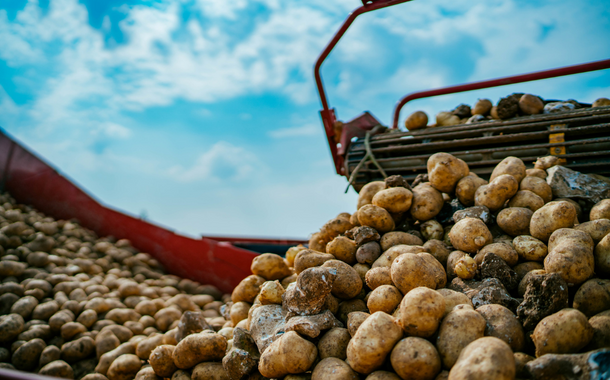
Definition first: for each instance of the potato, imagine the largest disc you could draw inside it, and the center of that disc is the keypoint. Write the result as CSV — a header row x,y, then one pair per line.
x,y
372,342
25,358
333,368
348,283
354,320
536,173
343,249
209,371
601,210
551,217
162,361
427,202
537,186
109,357
271,293
510,165
382,375
417,120
499,190
307,258
292,252
453,258
459,328
470,235
375,217
288,354
597,229
125,367
367,253
384,298
531,104
465,268
526,199
395,200
529,248
446,119
201,347
485,358
467,187
452,299
482,107
415,358
564,332
409,271
438,249
504,325
391,239
239,312
388,257
570,255
270,267
421,311
379,276
593,297
445,170
57,368
546,162
248,289
601,330
515,220
146,346
432,229
317,243
368,191
11,326
502,250
165,317
602,256
601,102
334,343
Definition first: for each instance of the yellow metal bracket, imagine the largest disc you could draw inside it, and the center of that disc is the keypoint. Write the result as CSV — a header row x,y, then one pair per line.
x,y
555,138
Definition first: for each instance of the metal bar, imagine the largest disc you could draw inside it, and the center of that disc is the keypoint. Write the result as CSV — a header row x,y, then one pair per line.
x,y
7,167
568,70
328,116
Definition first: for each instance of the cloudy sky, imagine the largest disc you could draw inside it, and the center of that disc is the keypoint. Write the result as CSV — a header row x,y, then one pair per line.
x,y
202,115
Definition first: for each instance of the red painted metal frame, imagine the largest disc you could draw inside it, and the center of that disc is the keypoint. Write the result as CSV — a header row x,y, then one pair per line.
x,y
328,114
562,71
32,181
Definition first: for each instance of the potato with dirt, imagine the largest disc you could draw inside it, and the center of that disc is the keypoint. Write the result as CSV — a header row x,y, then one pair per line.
x,y
395,200
201,347
432,229
368,191
495,195
470,235
445,170
307,258
529,248
452,299
551,217
270,267
483,359
597,229
427,202
458,329
391,239
602,256
526,199
373,341
570,255
290,354
467,187
564,332
348,284
384,298
537,186
502,250
343,249
421,311
504,325
515,221
415,359
376,217
438,249
334,343
513,166
409,271
601,210
333,368
388,257
593,297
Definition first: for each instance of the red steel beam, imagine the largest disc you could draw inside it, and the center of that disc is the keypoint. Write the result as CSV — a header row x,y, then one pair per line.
x,y
562,71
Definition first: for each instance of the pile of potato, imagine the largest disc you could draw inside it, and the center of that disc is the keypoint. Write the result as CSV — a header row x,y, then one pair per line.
x,y
454,278
517,104
75,306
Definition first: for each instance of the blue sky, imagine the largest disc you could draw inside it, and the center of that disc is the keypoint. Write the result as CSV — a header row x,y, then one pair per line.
x,y
203,114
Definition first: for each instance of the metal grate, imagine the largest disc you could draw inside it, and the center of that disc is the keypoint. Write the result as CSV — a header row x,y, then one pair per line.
x,y
581,137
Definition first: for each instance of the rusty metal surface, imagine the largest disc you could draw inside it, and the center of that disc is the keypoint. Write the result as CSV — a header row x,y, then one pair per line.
x,y
583,141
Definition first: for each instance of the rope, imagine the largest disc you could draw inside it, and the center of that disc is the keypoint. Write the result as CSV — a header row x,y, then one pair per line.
x,y
369,155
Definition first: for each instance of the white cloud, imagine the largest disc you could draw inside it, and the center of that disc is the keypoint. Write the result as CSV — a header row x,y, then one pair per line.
x,y
117,131
222,162
301,131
